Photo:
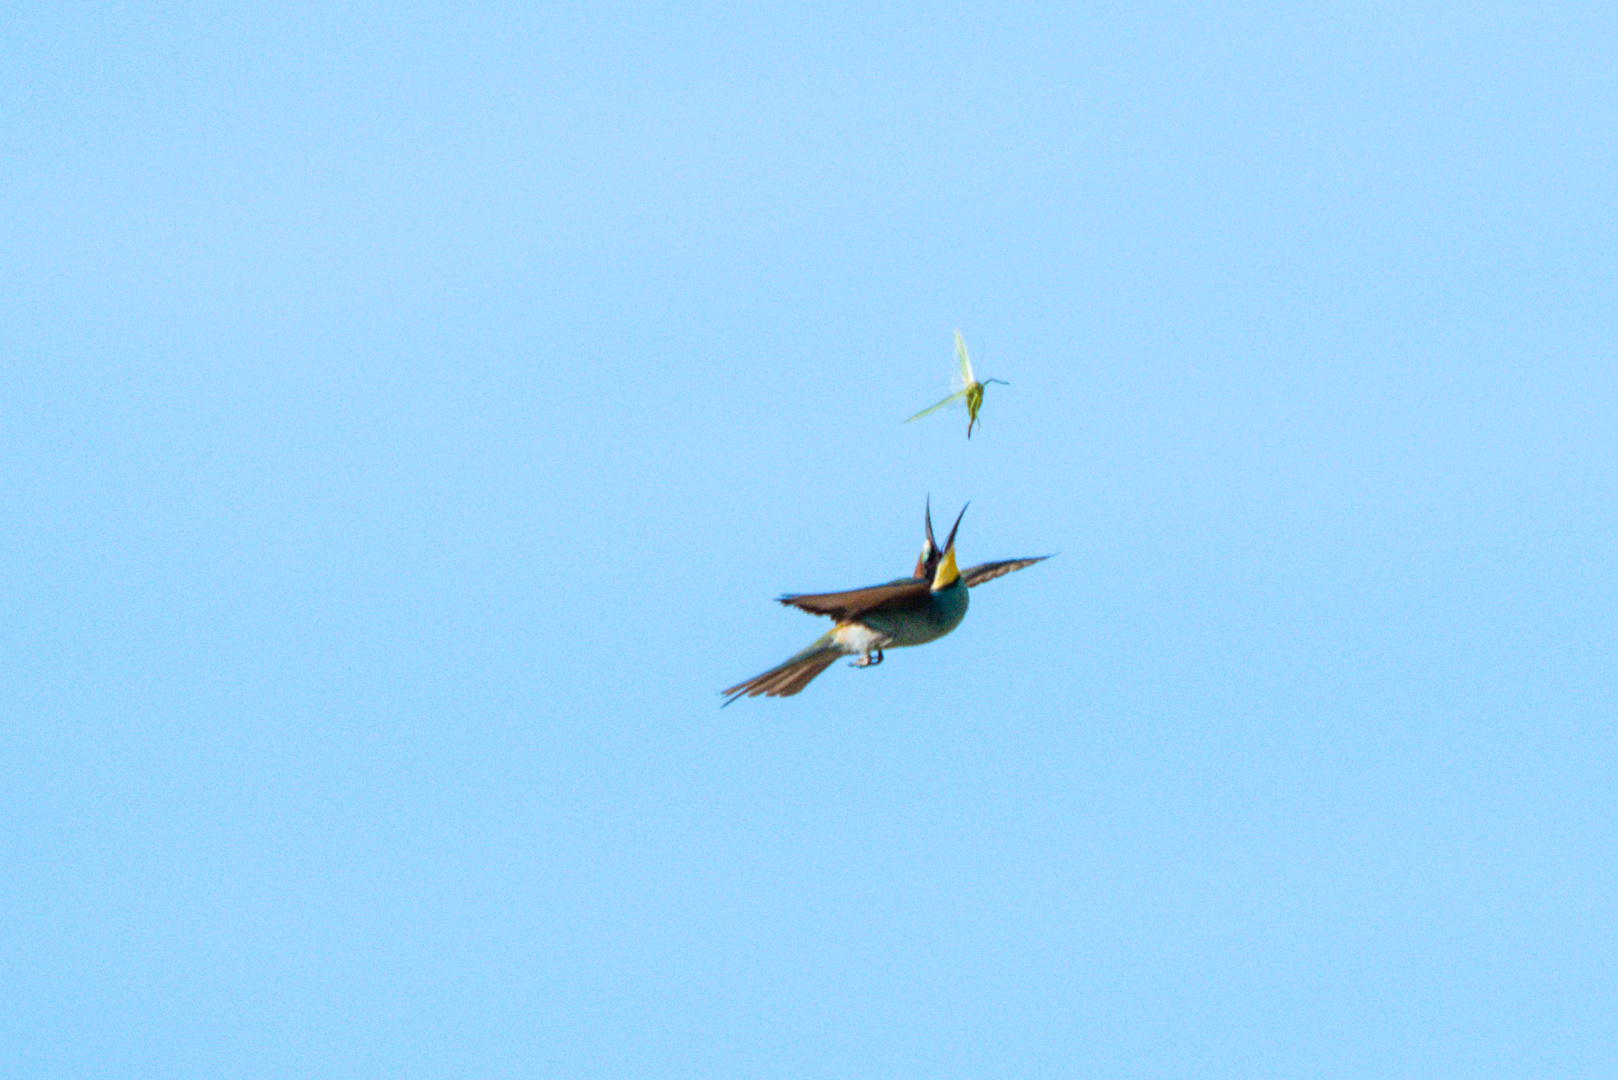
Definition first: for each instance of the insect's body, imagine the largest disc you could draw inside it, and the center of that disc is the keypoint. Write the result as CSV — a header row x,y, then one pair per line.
x,y
971,392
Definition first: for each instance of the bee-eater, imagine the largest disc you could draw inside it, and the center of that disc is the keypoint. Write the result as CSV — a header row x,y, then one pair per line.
x,y
971,392
909,611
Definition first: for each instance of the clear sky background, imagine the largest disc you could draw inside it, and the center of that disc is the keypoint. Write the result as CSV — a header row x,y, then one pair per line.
x,y
410,415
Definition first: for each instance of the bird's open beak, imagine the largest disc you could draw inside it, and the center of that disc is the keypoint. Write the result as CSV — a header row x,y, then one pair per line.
x,y
949,545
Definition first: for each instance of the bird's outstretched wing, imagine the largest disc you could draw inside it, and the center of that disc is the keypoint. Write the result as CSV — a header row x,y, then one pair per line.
x,y
904,593
951,400
977,575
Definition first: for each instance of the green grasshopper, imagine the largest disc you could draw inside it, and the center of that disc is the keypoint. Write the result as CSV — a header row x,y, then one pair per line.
x,y
971,392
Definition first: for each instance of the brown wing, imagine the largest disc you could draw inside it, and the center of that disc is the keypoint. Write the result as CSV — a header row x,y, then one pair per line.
x,y
906,592
977,575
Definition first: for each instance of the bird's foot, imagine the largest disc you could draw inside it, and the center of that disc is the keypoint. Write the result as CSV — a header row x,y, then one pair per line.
x,y
866,661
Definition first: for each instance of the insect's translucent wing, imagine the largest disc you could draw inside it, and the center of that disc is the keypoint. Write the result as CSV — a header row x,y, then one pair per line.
x,y
966,361
951,400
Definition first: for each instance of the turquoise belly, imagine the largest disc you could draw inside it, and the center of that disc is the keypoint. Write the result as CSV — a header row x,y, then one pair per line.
x,y
918,627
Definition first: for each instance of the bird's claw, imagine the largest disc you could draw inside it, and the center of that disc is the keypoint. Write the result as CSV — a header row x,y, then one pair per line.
x,y
866,661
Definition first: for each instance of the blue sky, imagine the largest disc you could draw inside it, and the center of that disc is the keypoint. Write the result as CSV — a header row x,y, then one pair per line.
x,y
411,414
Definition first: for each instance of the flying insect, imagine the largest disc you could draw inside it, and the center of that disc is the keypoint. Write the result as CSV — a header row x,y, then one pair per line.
x,y
971,392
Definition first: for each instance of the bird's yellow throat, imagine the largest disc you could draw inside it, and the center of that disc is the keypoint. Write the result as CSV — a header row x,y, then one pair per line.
x,y
946,574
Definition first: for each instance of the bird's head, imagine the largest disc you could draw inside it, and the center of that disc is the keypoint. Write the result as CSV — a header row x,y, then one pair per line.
x,y
945,572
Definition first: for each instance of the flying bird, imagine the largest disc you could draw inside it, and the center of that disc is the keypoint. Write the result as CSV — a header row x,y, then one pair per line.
x,y
971,392
907,611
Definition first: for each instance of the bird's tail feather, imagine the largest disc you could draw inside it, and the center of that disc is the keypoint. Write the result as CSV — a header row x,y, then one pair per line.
x,y
792,674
